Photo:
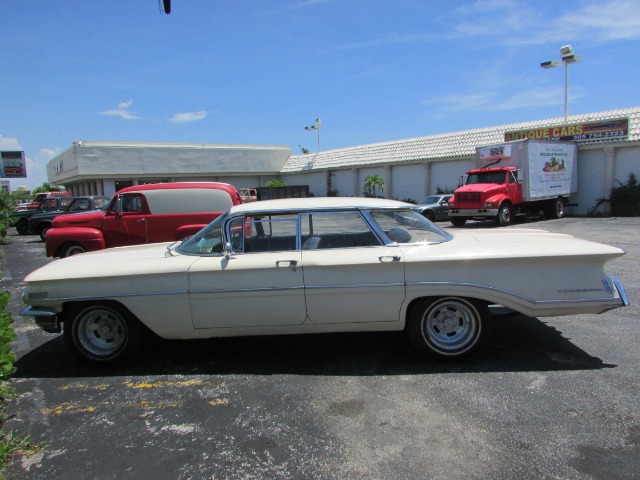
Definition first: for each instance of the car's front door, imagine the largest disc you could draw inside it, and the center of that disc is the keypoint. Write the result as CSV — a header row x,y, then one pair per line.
x,y
349,275
260,284
126,223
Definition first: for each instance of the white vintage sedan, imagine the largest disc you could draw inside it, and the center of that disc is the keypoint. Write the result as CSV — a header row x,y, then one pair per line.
x,y
312,265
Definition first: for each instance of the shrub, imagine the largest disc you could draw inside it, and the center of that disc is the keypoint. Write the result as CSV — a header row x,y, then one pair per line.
x,y
625,199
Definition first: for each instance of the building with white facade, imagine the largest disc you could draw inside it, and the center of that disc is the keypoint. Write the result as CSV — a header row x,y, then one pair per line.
x,y
608,151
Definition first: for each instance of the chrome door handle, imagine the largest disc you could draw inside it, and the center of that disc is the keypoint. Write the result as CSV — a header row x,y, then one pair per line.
x,y
289,263
389,258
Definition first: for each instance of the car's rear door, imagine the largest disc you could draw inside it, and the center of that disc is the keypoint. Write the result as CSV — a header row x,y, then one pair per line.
x,y
349,275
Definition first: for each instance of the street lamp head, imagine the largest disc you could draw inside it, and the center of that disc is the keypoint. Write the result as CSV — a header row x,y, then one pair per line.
x,y
571,58
566,50
550,64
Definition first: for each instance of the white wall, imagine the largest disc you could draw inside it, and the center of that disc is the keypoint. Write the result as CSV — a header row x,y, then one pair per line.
x,y
627,161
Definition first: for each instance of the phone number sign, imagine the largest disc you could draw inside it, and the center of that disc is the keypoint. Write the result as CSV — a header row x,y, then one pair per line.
x,y
577,132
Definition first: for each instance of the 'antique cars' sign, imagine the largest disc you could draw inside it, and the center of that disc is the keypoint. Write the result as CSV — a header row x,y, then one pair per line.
x,y
577,132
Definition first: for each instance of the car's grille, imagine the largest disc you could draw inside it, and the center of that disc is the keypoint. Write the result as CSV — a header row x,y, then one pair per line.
x,y
468,197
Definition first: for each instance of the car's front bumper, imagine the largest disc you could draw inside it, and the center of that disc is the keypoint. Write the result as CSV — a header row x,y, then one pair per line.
x,y
45,318
473,212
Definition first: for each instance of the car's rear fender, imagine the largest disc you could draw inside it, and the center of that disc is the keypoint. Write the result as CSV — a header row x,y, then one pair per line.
x,y
90,239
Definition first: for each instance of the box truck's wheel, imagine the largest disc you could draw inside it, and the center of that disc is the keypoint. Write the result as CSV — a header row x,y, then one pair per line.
x,y
505,215
555,208
458,221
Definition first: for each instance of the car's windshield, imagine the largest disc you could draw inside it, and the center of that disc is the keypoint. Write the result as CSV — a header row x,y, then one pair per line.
x,y
206,241
408,226
430,200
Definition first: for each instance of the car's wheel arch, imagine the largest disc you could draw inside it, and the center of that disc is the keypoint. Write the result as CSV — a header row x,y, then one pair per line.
x,y
140,331
448,326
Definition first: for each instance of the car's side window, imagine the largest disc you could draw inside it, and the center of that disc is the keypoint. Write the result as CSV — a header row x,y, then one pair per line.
x,y
129,204
273,233
336,230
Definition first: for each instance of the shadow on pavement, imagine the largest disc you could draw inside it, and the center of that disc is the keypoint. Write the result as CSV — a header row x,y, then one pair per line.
x,y
518,343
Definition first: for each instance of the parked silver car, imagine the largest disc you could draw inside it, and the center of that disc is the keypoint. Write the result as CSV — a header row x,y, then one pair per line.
x,y
434,207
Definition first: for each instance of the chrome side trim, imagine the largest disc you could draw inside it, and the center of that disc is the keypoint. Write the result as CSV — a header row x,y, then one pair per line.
x,y
620,289
517,295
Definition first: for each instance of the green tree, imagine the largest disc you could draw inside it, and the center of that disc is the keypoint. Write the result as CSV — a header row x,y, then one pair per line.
x,y
46,187
372,183
303,150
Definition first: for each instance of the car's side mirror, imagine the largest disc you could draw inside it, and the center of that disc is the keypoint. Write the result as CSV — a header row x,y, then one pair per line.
x,y
227,250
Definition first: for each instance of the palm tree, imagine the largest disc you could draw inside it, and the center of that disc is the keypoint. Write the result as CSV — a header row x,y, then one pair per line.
x,y
371,183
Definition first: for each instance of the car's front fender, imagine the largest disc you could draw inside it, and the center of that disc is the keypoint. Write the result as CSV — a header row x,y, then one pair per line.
x,y
90,239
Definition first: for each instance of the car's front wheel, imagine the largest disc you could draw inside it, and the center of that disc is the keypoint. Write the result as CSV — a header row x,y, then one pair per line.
x,y
448,327
70,249
102,332
458,221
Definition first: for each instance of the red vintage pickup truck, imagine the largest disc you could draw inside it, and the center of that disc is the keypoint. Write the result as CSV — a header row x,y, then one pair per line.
x,y
161,212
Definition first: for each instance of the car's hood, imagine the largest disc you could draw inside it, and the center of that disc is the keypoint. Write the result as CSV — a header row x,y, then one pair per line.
x,y
113,262
479,187
86,219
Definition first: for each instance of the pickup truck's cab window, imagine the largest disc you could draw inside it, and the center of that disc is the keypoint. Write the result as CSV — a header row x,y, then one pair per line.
x,y
128,204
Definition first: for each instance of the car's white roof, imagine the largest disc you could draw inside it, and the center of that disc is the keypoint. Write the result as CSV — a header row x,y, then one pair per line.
x,y
320,203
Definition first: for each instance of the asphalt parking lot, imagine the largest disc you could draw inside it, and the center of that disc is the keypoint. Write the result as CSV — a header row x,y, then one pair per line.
x,y
555,398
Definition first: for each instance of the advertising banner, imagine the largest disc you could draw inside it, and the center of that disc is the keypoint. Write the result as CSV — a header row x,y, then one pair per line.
x,y
575,132
12,165
551,168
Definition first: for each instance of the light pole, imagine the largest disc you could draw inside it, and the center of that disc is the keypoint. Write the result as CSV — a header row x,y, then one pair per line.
x,y
316,126
567,55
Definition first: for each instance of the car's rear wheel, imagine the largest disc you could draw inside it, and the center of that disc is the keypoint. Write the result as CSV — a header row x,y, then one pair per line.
x,y
428,214
102,332
69,249
458,221
448,327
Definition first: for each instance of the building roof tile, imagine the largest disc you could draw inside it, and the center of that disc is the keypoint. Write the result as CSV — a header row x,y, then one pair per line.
x,y
453,145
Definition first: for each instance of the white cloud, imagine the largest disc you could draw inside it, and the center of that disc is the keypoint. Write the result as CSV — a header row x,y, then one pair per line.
x,y
9,143
122,111
187,117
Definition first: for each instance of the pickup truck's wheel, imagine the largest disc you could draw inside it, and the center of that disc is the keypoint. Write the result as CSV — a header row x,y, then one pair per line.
x,y
555,209
448,327
102,332
505,215
23,226
42,231
69,249
458,221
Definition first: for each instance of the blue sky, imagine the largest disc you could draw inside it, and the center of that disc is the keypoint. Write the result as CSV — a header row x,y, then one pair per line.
x,y
258,72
